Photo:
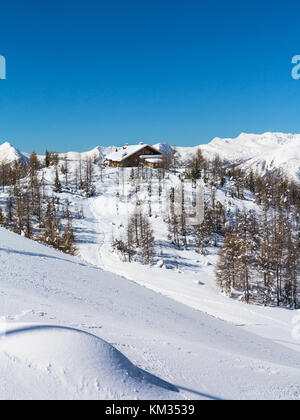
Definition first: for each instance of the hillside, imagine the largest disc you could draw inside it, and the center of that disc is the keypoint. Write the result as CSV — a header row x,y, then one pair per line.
x,y
261,153
154,327
51,198
9,154
190,354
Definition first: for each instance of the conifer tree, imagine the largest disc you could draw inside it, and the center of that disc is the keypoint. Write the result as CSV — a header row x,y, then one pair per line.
x,y
47,159
147,241
33,165
196,165
57,183
226,266
68,239
265,263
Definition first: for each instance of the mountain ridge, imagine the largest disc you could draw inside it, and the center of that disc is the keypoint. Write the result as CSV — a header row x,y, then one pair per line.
x,y
259,152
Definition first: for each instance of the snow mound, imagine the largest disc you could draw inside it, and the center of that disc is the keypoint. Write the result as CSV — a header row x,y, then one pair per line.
x,y
46,362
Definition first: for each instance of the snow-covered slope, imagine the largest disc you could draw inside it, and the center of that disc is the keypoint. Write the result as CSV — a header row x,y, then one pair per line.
x,y
263,152
84,366
164,148
165,349
95,154
9,153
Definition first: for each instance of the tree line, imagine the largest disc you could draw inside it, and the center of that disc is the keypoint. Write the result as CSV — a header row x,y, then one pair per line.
x,y
259,259
29,210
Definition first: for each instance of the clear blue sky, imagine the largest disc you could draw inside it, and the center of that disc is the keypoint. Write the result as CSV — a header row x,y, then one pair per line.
x,y
84,73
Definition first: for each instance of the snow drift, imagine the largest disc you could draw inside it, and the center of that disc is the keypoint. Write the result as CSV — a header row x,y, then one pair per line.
x,y
39,361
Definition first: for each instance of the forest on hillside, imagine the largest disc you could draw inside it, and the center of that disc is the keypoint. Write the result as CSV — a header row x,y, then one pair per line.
x,y
259,251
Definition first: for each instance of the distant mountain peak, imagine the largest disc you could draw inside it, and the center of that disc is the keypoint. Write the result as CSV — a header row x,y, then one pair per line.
x,y
260,152
9,153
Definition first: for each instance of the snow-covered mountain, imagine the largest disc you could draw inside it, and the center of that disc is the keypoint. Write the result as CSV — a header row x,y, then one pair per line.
x,y
100,152
95,154
101,327
9,153
261,152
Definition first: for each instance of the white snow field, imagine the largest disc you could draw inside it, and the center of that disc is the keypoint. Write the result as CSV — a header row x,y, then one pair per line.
x,y
74,331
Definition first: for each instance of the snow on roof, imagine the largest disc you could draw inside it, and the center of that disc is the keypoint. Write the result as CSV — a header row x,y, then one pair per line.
x,y
148,157
154,160
127,151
